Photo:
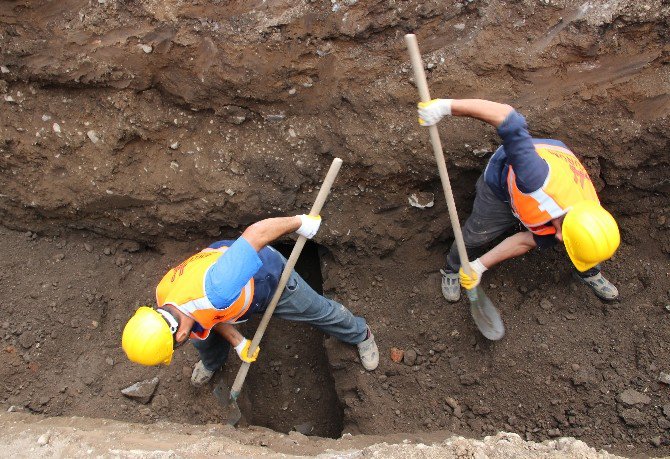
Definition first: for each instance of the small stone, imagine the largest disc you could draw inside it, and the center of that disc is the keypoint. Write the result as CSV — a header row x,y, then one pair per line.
x,y
545,304
632,397
468,380
633,417
4,69
56,128
107,251
656,441
93,136
664,378
459,26
27,339
88,247
146,48
292,91
160,402
421,200
275,118
59,256
109,361
410,357
305,428
141,391
284,406
46,117
575,367
43,439
174,146
397,354
554,433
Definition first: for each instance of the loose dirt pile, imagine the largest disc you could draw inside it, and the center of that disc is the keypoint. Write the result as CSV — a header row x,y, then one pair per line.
x,y
76,437
133,134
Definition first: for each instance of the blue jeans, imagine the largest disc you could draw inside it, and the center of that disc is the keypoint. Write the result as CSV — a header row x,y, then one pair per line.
x,y
299,303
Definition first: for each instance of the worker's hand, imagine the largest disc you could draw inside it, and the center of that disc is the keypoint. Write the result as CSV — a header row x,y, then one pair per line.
x,y
433,111
470,282
310,225
243,351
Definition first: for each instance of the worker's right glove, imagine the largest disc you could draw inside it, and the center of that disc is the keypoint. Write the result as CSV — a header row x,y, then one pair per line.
x,y
310,225
470,282
433,111
242,350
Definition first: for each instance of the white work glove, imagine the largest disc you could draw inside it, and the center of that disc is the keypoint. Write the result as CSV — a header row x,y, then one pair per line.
x,y
242,350
433,111
309,225
470,282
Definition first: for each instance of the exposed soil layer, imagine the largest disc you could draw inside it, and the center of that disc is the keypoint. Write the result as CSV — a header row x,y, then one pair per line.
x,y
27,436
133,134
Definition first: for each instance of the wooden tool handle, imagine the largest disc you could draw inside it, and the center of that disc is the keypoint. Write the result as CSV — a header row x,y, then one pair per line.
x,y
422,85
290,264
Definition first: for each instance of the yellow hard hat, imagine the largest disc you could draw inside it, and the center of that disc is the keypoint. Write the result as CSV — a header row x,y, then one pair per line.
x,y
590,234
147,338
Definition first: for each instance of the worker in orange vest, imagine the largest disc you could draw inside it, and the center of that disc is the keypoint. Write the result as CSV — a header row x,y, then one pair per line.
x,y
204,296
538,182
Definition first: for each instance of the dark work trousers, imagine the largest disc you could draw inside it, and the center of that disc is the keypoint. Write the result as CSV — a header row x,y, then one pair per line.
x,y
490,218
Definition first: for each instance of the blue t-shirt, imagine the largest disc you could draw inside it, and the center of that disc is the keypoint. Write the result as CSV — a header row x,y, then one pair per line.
x,y
225,280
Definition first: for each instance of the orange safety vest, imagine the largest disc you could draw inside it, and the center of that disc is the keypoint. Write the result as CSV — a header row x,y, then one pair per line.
x,y
567,184
184,288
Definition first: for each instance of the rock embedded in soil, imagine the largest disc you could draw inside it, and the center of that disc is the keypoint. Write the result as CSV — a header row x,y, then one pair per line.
x,y
632,397
305,428
141,391
633,417
410,357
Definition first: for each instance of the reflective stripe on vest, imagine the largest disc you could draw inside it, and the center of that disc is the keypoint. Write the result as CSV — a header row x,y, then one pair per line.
x,y
567,184
184,288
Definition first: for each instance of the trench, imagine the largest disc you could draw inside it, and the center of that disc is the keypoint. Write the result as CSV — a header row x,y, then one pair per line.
x,y
292,388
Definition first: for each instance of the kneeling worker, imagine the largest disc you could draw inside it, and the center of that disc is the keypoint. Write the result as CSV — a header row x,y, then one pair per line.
x,y
202,297
538,182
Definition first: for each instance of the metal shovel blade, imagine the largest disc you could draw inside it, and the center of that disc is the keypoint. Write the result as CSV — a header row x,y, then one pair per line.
x,y
486,316
231,411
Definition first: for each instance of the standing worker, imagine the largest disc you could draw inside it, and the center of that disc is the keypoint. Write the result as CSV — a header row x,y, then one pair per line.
x,y
204,296
539,182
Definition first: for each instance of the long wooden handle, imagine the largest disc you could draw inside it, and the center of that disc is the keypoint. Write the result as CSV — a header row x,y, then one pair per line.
x,y
290,264
422,85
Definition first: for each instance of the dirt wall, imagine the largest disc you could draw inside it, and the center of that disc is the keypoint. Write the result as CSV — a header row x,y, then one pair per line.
x,y
159,125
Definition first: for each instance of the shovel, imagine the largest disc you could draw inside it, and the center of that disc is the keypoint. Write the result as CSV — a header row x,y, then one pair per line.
x,y
232,410
484,313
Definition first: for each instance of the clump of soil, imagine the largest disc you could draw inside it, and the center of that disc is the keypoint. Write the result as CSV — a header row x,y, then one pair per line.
x,y
134,134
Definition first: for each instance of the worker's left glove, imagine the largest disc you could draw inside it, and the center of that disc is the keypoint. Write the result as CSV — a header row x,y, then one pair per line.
x,y
242,350
310,225
433,111
470,282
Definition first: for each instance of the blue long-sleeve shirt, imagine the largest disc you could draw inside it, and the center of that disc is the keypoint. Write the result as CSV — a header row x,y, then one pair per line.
x,y
518,151
530,170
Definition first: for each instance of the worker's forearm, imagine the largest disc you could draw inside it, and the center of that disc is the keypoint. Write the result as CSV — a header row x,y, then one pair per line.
x,y
511,247
265,231
493,113
229,333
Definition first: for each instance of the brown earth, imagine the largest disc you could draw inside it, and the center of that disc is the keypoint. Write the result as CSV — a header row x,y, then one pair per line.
x,y
134,133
